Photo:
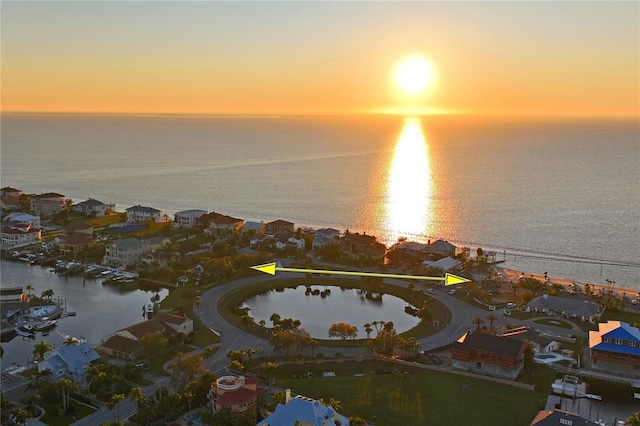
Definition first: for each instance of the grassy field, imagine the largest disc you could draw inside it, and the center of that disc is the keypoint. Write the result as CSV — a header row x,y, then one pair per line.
x,y
419,397
52,418
629,317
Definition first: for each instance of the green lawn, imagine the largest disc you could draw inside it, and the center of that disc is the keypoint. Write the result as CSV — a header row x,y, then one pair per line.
x,y
629,317
52,418
421,397
553,322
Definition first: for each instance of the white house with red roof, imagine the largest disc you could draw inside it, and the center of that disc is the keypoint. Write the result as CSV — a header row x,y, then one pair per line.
x,y
238,394
20,234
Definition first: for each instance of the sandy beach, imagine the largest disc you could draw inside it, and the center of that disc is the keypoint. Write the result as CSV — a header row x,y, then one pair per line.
x,y
514,276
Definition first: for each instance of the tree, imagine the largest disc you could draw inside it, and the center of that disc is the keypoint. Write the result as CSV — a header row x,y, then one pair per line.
x,y
633,420
137,396
40,350
343,331
154,348
368,329
184,369
114,402
479,322
47,294
492,318
66,386
357,421
29,289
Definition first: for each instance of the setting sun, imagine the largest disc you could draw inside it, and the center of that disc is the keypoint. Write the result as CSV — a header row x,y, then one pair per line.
x,y
414,74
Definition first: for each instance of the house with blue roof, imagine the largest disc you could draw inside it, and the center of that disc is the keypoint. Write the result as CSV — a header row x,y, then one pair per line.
x,y
304,411
615,346
69,361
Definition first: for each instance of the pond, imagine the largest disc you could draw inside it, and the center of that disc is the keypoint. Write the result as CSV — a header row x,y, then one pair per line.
x,y
319,306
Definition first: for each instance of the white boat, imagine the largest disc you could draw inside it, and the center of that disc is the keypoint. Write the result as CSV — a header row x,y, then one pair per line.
x,y
15,368
572,386
45,324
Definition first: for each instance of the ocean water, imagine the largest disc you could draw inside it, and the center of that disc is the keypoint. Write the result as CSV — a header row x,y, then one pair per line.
x,y
560,196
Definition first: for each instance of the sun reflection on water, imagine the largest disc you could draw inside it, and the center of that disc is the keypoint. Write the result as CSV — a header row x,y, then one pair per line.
x,y
408,209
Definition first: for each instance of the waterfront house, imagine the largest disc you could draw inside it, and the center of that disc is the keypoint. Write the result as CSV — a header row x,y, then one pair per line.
x,y
446,264
126,343
488,354
75,242
19,235
215,222
8,191
557,417
69,361
359,247
440,248
278,227
255,227
12,294
161,258
320,241
20,217
571,308
539,342
187,218
304,411
126,252
615,346
237,394
139,214
91,207
47,204
329,233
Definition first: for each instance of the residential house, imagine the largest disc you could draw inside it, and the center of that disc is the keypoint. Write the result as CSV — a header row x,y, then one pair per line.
x,y
126,252
238,394
446,264
363,246
19,217
255,227
139,214
329,233
75,242
261,241
488,354
8,191
304,411
161,258
571,308
216,221
278,227
127,342
320,241
411,249
287,241
539,342
69,361
19,235
9,199
440,248
187,218
559,418
615,346
47,204
91,207
12,294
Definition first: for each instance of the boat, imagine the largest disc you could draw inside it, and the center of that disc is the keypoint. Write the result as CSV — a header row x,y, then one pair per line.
x,y
572,386
23,333
45,324
15,368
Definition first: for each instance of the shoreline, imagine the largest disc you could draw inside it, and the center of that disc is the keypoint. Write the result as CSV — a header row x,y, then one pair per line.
x,y
513,276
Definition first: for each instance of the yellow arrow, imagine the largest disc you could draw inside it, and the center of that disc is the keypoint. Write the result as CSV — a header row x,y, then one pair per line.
x,y
271,268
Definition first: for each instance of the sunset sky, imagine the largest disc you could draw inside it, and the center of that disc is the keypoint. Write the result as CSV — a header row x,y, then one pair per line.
x,y
550,58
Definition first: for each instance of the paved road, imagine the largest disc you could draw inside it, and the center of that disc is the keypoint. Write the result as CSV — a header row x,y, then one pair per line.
x,y
234,338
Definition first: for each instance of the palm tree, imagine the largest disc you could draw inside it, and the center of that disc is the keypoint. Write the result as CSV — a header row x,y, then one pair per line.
x,y
47,294
66,386
137,396
491,317
114,402
29,289
368,329
478,322
40,350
